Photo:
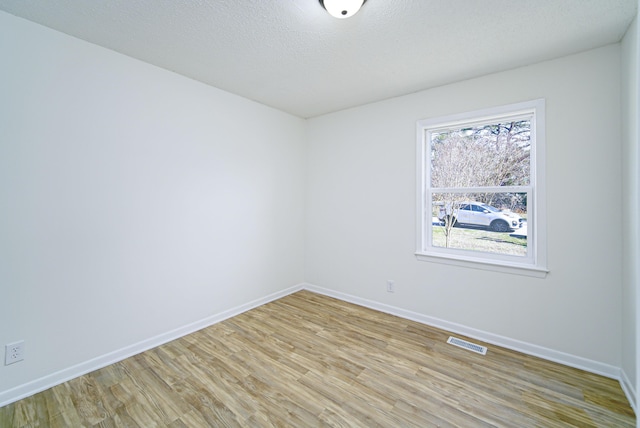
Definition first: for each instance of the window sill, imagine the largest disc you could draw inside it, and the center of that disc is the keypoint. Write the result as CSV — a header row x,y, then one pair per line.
x,y
468,262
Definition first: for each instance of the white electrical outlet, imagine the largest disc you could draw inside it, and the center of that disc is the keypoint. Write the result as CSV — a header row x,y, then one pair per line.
x,y
13,352
391,286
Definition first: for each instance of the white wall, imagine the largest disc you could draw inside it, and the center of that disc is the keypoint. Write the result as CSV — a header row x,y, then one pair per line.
x,y
361,206
133,201
631,204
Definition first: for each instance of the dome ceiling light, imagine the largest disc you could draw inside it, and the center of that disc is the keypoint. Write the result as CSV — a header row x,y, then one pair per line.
x,y
342,8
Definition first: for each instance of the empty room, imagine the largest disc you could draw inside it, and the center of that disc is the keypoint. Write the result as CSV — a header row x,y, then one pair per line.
x,y
319,213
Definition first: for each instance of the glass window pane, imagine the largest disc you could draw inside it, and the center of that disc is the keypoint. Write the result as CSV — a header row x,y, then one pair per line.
x,y
487,155
488,222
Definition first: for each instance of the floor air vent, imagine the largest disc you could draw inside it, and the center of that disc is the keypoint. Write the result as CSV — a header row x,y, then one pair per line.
x,y
467,345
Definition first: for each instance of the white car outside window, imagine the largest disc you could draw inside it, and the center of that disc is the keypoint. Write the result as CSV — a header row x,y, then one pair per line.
x,y
479,214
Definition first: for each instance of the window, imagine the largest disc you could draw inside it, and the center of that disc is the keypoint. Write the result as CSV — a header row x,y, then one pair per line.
x,y
480,189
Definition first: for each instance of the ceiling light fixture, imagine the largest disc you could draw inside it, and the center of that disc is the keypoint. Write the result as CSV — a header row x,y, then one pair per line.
x,y
342,8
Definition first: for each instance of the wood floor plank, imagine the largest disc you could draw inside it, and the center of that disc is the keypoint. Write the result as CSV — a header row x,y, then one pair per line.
x,y
310,360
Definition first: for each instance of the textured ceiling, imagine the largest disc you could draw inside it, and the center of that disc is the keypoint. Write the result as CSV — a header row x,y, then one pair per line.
x,y
292,55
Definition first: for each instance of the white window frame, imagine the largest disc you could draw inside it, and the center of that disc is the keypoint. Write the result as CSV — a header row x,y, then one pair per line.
x,y
535,262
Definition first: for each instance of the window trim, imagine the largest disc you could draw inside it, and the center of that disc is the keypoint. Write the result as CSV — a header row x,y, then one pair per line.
x,y
535,264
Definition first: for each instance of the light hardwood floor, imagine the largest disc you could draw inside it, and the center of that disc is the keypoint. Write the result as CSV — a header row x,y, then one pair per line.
x,y
310,360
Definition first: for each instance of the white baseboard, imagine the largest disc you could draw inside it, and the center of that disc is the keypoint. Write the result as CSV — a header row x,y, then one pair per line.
x,y
53,379
629,391
494,339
